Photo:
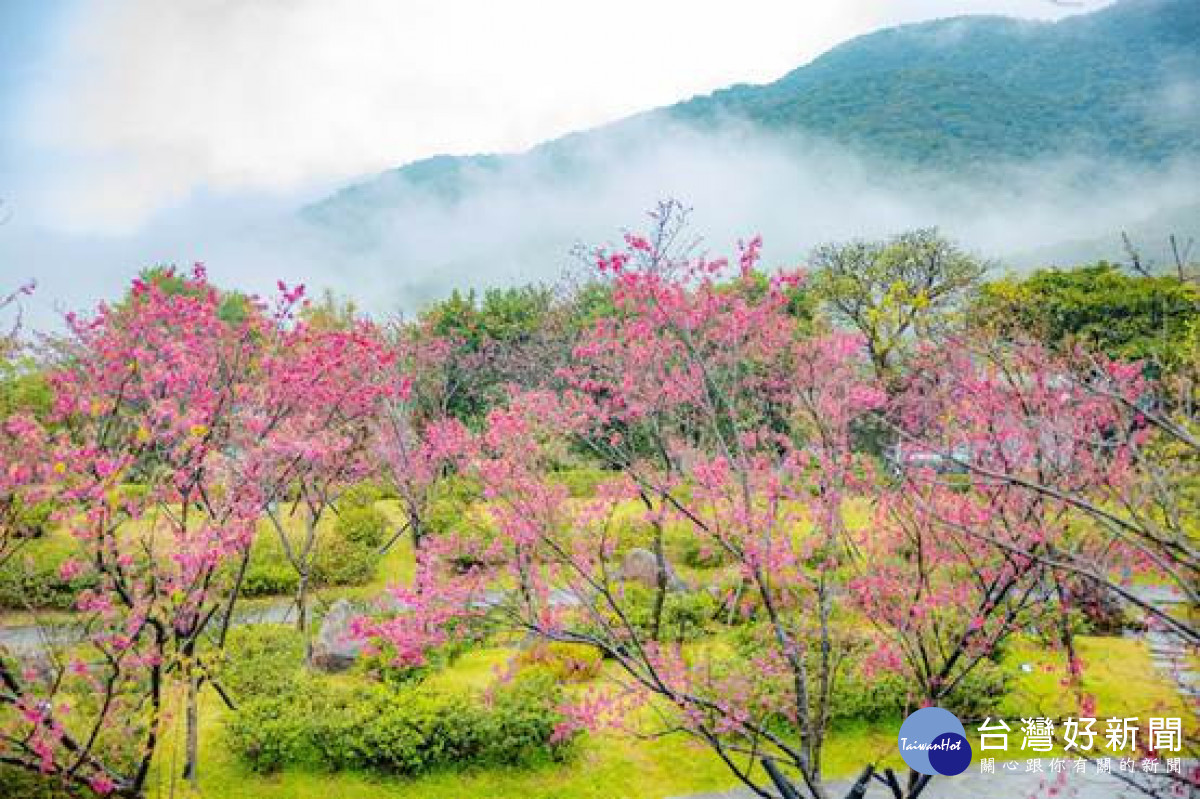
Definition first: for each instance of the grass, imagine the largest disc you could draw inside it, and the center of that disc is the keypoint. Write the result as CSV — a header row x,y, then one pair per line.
x,y
606,767
612,766
1119,675
42,557
398,565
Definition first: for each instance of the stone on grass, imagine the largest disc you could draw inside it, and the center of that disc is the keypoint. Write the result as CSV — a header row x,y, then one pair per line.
x,y
336,647
641,566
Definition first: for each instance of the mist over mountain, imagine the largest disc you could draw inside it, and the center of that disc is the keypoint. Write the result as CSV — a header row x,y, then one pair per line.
x,y
1031,143
1022,139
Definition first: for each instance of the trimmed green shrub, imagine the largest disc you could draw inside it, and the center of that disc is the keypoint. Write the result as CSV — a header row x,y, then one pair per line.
x,y
686,615
696,551
342,562
363,525
270,732
409,733
883,695
33,580
261,660
450,503
346,554
269,579
382,665
31,785
326,724
887,695
30,519
520,725
981,692
364,495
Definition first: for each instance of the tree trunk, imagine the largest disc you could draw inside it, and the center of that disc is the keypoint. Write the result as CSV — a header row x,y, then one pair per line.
x,y
416,529
660,596
660,577
302,614
1067,636
191,766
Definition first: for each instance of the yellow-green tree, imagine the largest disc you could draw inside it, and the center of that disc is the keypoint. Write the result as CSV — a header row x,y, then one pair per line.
x,y
893,290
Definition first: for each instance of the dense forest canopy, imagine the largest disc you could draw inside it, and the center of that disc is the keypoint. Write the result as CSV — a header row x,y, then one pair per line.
x,y
950,92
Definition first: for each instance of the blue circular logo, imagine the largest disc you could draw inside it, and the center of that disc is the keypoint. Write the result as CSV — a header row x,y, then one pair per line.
x,y
932,741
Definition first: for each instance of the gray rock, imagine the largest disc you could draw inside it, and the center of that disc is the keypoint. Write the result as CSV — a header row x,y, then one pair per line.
x,y
641,566
336,648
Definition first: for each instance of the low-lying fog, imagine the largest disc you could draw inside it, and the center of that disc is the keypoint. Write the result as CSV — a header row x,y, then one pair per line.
x,y
392,246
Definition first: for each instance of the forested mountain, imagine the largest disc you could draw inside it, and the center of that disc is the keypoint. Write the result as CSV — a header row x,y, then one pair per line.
x,y
950,94
1121,81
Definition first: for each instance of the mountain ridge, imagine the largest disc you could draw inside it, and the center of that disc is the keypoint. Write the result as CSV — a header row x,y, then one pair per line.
x,y
956,95
931,92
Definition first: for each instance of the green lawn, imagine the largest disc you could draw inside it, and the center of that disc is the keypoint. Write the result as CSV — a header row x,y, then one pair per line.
x,y
611,766
1119,675
41,557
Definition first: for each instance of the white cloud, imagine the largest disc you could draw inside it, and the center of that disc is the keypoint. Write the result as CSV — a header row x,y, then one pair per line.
x,y
519,223
143,104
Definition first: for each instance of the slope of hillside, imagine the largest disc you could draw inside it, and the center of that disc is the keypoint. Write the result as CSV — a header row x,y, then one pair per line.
x,y
1012,135
945,92
1123,81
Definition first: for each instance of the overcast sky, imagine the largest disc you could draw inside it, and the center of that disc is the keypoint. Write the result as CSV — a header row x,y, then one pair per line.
x,y
113,112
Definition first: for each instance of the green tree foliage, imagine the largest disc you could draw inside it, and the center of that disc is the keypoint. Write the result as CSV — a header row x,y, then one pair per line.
x,y
960,92
522,334
1101,306
491,336
235,306
892,290
803,301
506,315
23,388
331,311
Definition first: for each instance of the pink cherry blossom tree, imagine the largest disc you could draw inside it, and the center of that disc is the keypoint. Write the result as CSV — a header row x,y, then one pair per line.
x,y
326,386
182,415
417,441
20,441
1081,475
142,471
728,427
